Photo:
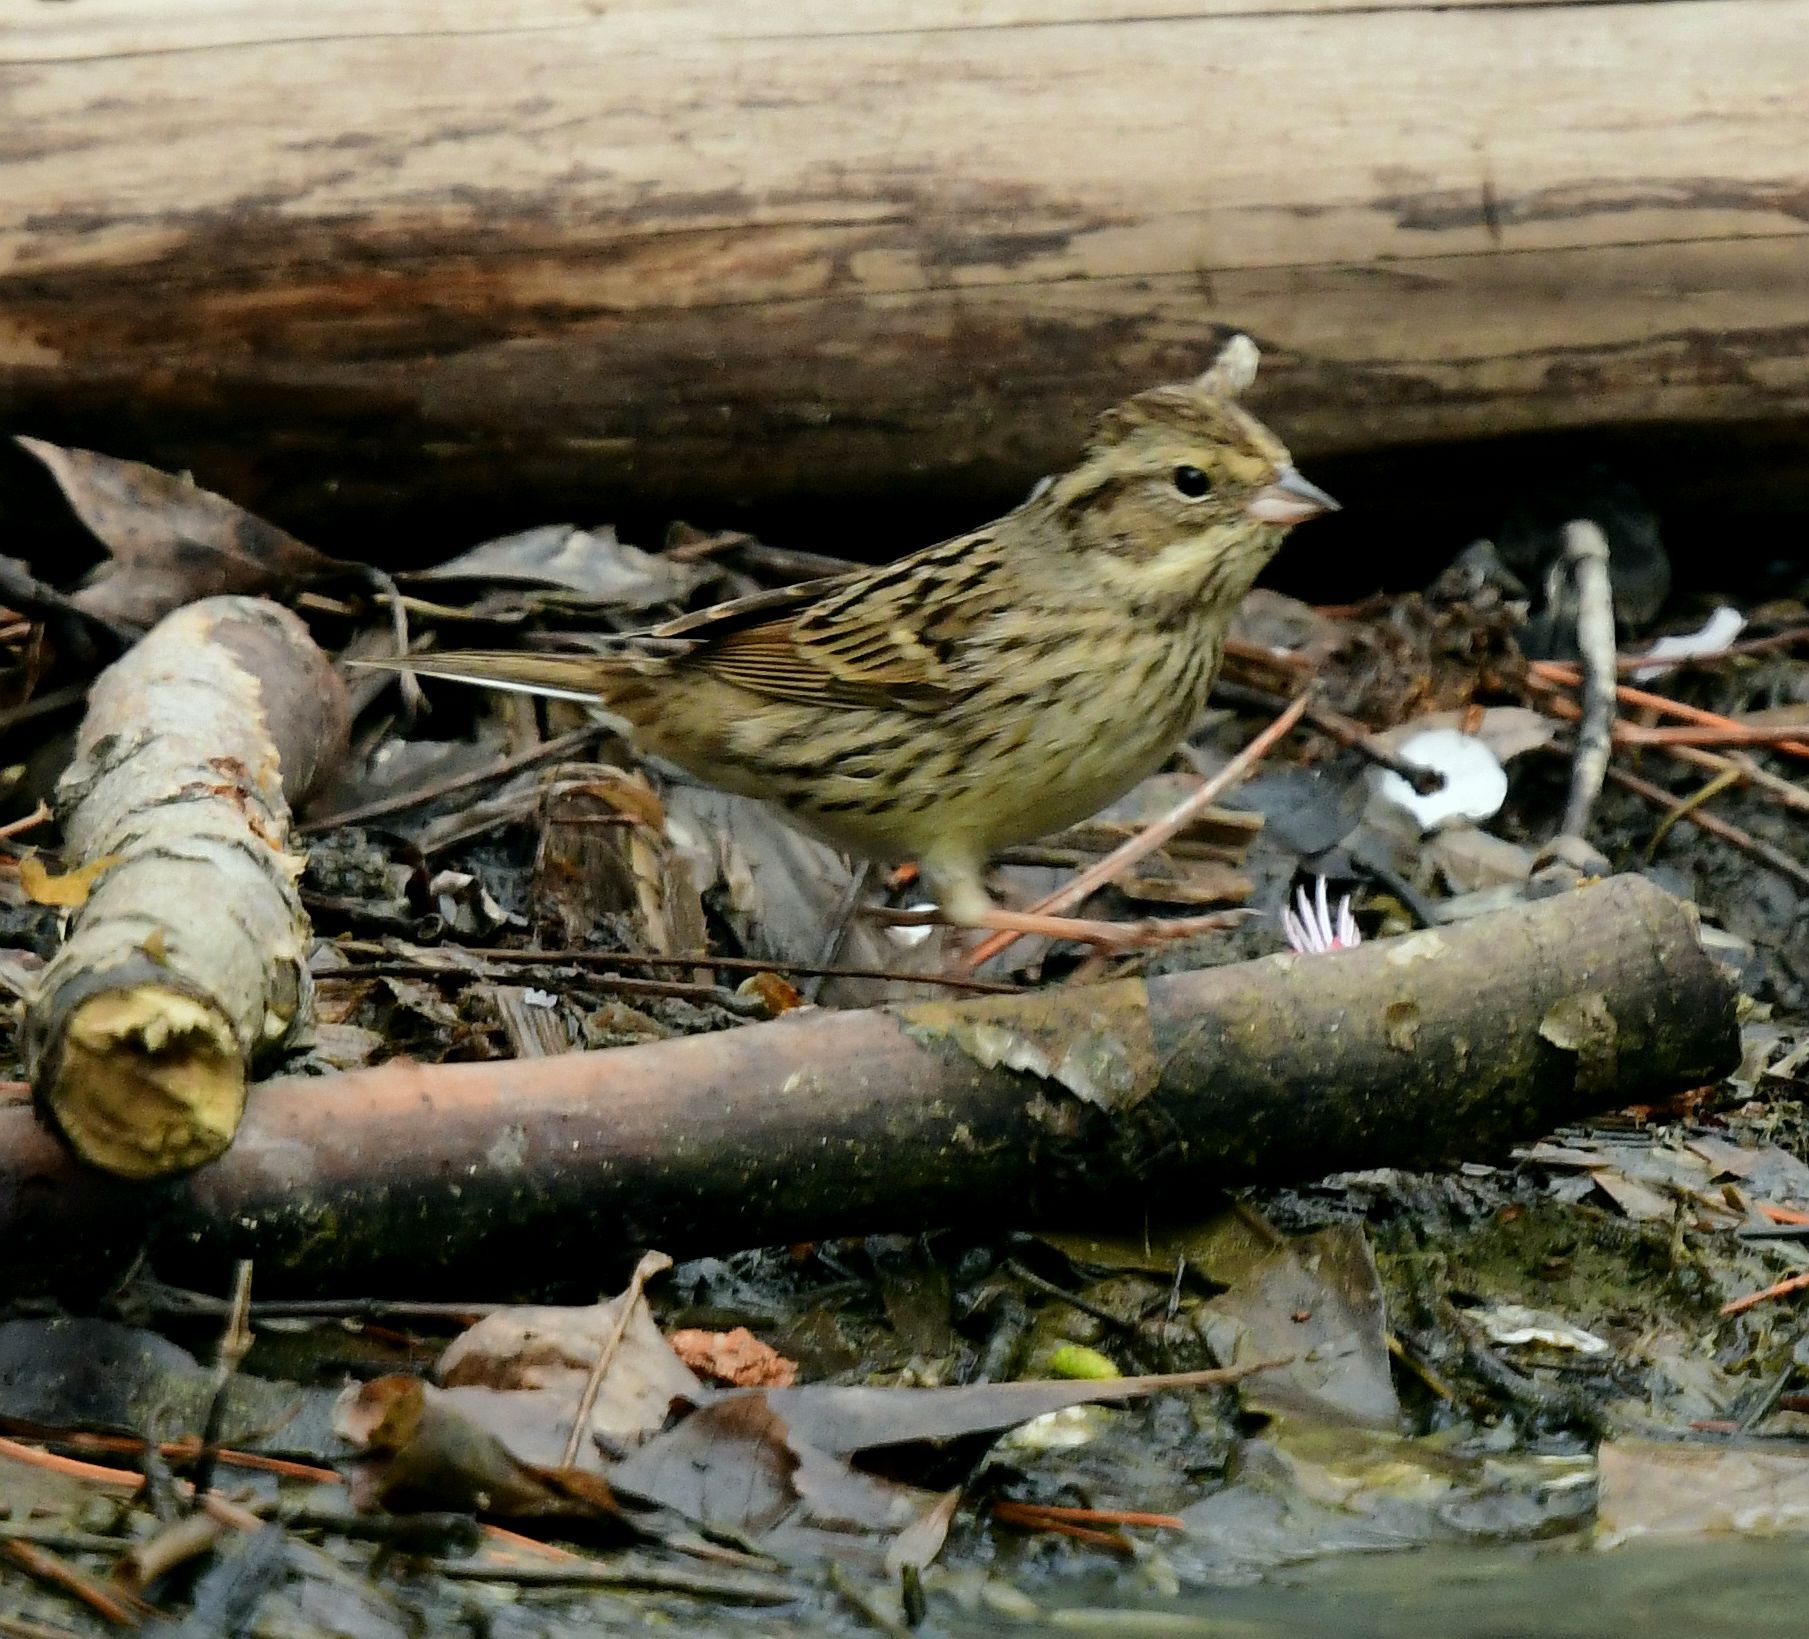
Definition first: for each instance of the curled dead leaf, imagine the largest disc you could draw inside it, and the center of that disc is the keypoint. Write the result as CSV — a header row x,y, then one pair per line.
x,y
172,542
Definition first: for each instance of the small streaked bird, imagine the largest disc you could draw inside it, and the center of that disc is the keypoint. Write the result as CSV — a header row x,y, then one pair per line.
x,y
986,690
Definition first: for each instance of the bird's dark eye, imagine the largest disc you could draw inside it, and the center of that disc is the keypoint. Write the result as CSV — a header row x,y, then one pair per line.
x,y
1192,483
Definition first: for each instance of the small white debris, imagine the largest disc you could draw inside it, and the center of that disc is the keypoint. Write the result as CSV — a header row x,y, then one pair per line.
x,y
1061,1430
1475,785
538,998
1513,1325
1719,630
910,937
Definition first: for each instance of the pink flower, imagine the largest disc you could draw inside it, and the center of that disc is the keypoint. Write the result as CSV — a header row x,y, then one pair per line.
x,y
1311,928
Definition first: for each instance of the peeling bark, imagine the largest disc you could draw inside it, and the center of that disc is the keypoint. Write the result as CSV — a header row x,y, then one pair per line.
x,y
1407,1052
188,963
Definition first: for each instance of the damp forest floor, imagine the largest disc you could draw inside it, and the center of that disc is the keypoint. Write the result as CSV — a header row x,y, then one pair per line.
x,y
1560,1387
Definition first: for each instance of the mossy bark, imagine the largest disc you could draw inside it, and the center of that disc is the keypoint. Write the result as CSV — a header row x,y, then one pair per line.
x,y
1122,1098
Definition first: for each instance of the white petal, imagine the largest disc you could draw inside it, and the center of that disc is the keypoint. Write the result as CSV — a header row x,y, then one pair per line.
x,y
1475,785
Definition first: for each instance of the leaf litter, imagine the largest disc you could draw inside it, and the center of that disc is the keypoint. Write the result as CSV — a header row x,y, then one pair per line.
x,y
1578,1341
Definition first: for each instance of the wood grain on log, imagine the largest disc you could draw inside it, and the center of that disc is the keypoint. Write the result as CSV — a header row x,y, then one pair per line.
x,y
701,251
999,1113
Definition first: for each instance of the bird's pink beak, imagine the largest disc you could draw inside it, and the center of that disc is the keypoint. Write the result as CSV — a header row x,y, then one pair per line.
x,y
1289,500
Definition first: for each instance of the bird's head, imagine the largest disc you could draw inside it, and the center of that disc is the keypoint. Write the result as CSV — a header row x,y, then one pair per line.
x,y
1182,493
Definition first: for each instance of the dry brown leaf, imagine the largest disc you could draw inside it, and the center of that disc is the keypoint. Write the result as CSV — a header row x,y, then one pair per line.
x,y
422,1452
520,1372
590,564
172,541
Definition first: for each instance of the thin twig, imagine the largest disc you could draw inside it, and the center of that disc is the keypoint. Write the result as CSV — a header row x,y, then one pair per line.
x,y
177,1300
478,776
1729,833
132,1445
124,1609
1062,1295
1784,1288
1715,729
1748,771
87,1473
27,822
1686,806
42,705
734,964
841,919
748,1007
1781,736
596,1574
1586,548
1751,645
235,1344
1346,731
176,1544
650,1265
1028,1520
407,684
1148,840
22,1627
1766,1402
1087,1516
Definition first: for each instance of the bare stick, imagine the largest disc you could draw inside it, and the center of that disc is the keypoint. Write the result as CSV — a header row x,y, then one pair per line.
x,y
650,1265
635,958
1749,772
1545,673
1752,645
1346,731
1586,548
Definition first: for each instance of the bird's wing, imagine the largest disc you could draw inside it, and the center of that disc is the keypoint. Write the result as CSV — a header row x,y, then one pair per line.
x,y
878,637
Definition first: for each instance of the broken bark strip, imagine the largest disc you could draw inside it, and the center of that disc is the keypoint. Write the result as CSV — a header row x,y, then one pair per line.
x,y
1407,1052
189,960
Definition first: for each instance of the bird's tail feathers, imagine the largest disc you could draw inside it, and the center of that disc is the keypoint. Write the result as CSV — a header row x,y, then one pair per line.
x,y
557,676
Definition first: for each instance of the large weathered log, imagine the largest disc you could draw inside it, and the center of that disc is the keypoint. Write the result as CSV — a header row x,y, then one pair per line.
x,y
998,1112
702,251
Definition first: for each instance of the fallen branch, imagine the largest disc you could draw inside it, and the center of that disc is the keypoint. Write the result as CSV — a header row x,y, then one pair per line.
x,y
1450,1042
188,961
